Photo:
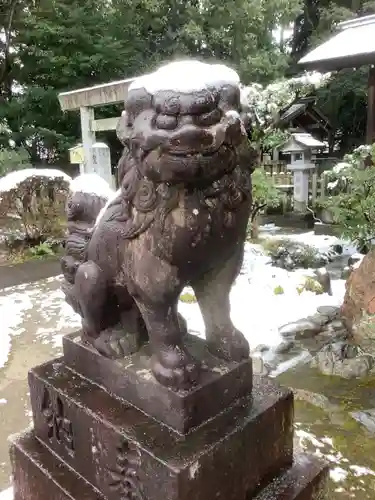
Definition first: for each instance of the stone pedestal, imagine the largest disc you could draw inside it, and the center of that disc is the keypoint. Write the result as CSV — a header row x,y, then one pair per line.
x,y
300,189
107,430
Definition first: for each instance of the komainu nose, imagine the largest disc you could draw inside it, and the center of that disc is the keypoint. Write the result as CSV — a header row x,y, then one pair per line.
x,y
191,139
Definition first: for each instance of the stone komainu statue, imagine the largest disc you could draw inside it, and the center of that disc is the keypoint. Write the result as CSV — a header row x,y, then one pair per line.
x,y
179,218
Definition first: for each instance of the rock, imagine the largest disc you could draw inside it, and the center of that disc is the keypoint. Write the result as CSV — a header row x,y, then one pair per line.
x,y
318,319
330,311
343,360
366,418
261,348
346,272
354,259
334,335
284,347
271,365
337,324
338,249
324,278
359,301
259,367
314,398
303,328
333,410
289,254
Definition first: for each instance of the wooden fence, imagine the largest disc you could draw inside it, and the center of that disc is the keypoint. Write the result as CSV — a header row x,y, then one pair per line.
x,y
283,179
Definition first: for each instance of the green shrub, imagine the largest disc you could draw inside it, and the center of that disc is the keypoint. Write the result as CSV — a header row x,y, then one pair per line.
x,y
188,298
311,285
265,194
279,290
42,250
304,256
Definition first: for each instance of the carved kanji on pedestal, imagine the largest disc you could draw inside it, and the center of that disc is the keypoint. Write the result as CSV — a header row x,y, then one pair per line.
x,y
59,426
125,479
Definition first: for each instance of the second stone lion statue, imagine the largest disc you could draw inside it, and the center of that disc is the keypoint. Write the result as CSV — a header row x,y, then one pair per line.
x,y
179,218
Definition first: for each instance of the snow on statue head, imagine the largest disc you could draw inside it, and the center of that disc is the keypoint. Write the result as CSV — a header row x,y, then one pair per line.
x,y
185,110
179,218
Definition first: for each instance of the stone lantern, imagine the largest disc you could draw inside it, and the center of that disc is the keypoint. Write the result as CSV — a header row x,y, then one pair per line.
x,y
301,147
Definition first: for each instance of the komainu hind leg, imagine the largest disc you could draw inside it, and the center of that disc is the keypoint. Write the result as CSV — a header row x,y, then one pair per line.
x,y
212,292
100,316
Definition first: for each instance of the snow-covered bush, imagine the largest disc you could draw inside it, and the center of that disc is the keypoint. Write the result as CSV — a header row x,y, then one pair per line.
x,y
351,195
263,104
37,198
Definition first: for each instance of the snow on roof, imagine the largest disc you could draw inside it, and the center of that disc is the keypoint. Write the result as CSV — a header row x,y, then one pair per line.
x,y
13,179
91,184
301,140
187,76
352,46
308,140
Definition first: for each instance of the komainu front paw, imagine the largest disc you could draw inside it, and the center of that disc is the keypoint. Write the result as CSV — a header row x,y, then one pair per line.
x,y
114,343
231,346
174,367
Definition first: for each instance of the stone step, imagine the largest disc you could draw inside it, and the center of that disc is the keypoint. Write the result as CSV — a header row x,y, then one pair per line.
x,y
305,480
39,475
107,441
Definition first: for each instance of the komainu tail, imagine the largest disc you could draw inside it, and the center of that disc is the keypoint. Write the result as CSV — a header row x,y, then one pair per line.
x,y
89,194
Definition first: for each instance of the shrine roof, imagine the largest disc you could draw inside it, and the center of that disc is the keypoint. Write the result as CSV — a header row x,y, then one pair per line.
x,y
351,47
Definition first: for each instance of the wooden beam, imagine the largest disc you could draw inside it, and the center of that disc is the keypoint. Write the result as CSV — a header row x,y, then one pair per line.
x,y
105,124
370,132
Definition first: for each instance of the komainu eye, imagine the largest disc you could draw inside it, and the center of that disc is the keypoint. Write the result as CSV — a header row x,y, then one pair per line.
x,y
208,119
166,122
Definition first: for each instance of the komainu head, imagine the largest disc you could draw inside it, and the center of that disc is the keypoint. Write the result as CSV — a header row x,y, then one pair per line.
x,y
182,123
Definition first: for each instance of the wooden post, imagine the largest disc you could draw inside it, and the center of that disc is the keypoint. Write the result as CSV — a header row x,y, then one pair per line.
x,y
323,186
88,138
370,134
314,188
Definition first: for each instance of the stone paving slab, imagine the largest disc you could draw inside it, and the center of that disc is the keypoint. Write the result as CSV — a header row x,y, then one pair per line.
x,y
28,272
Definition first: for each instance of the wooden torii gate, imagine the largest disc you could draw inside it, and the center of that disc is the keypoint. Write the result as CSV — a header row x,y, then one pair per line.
x,y
353,46
86,100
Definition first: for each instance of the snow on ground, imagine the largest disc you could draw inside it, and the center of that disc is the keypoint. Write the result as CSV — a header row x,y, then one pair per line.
x,y
321,242
38,309
186,77
255,308
12,180
7,494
